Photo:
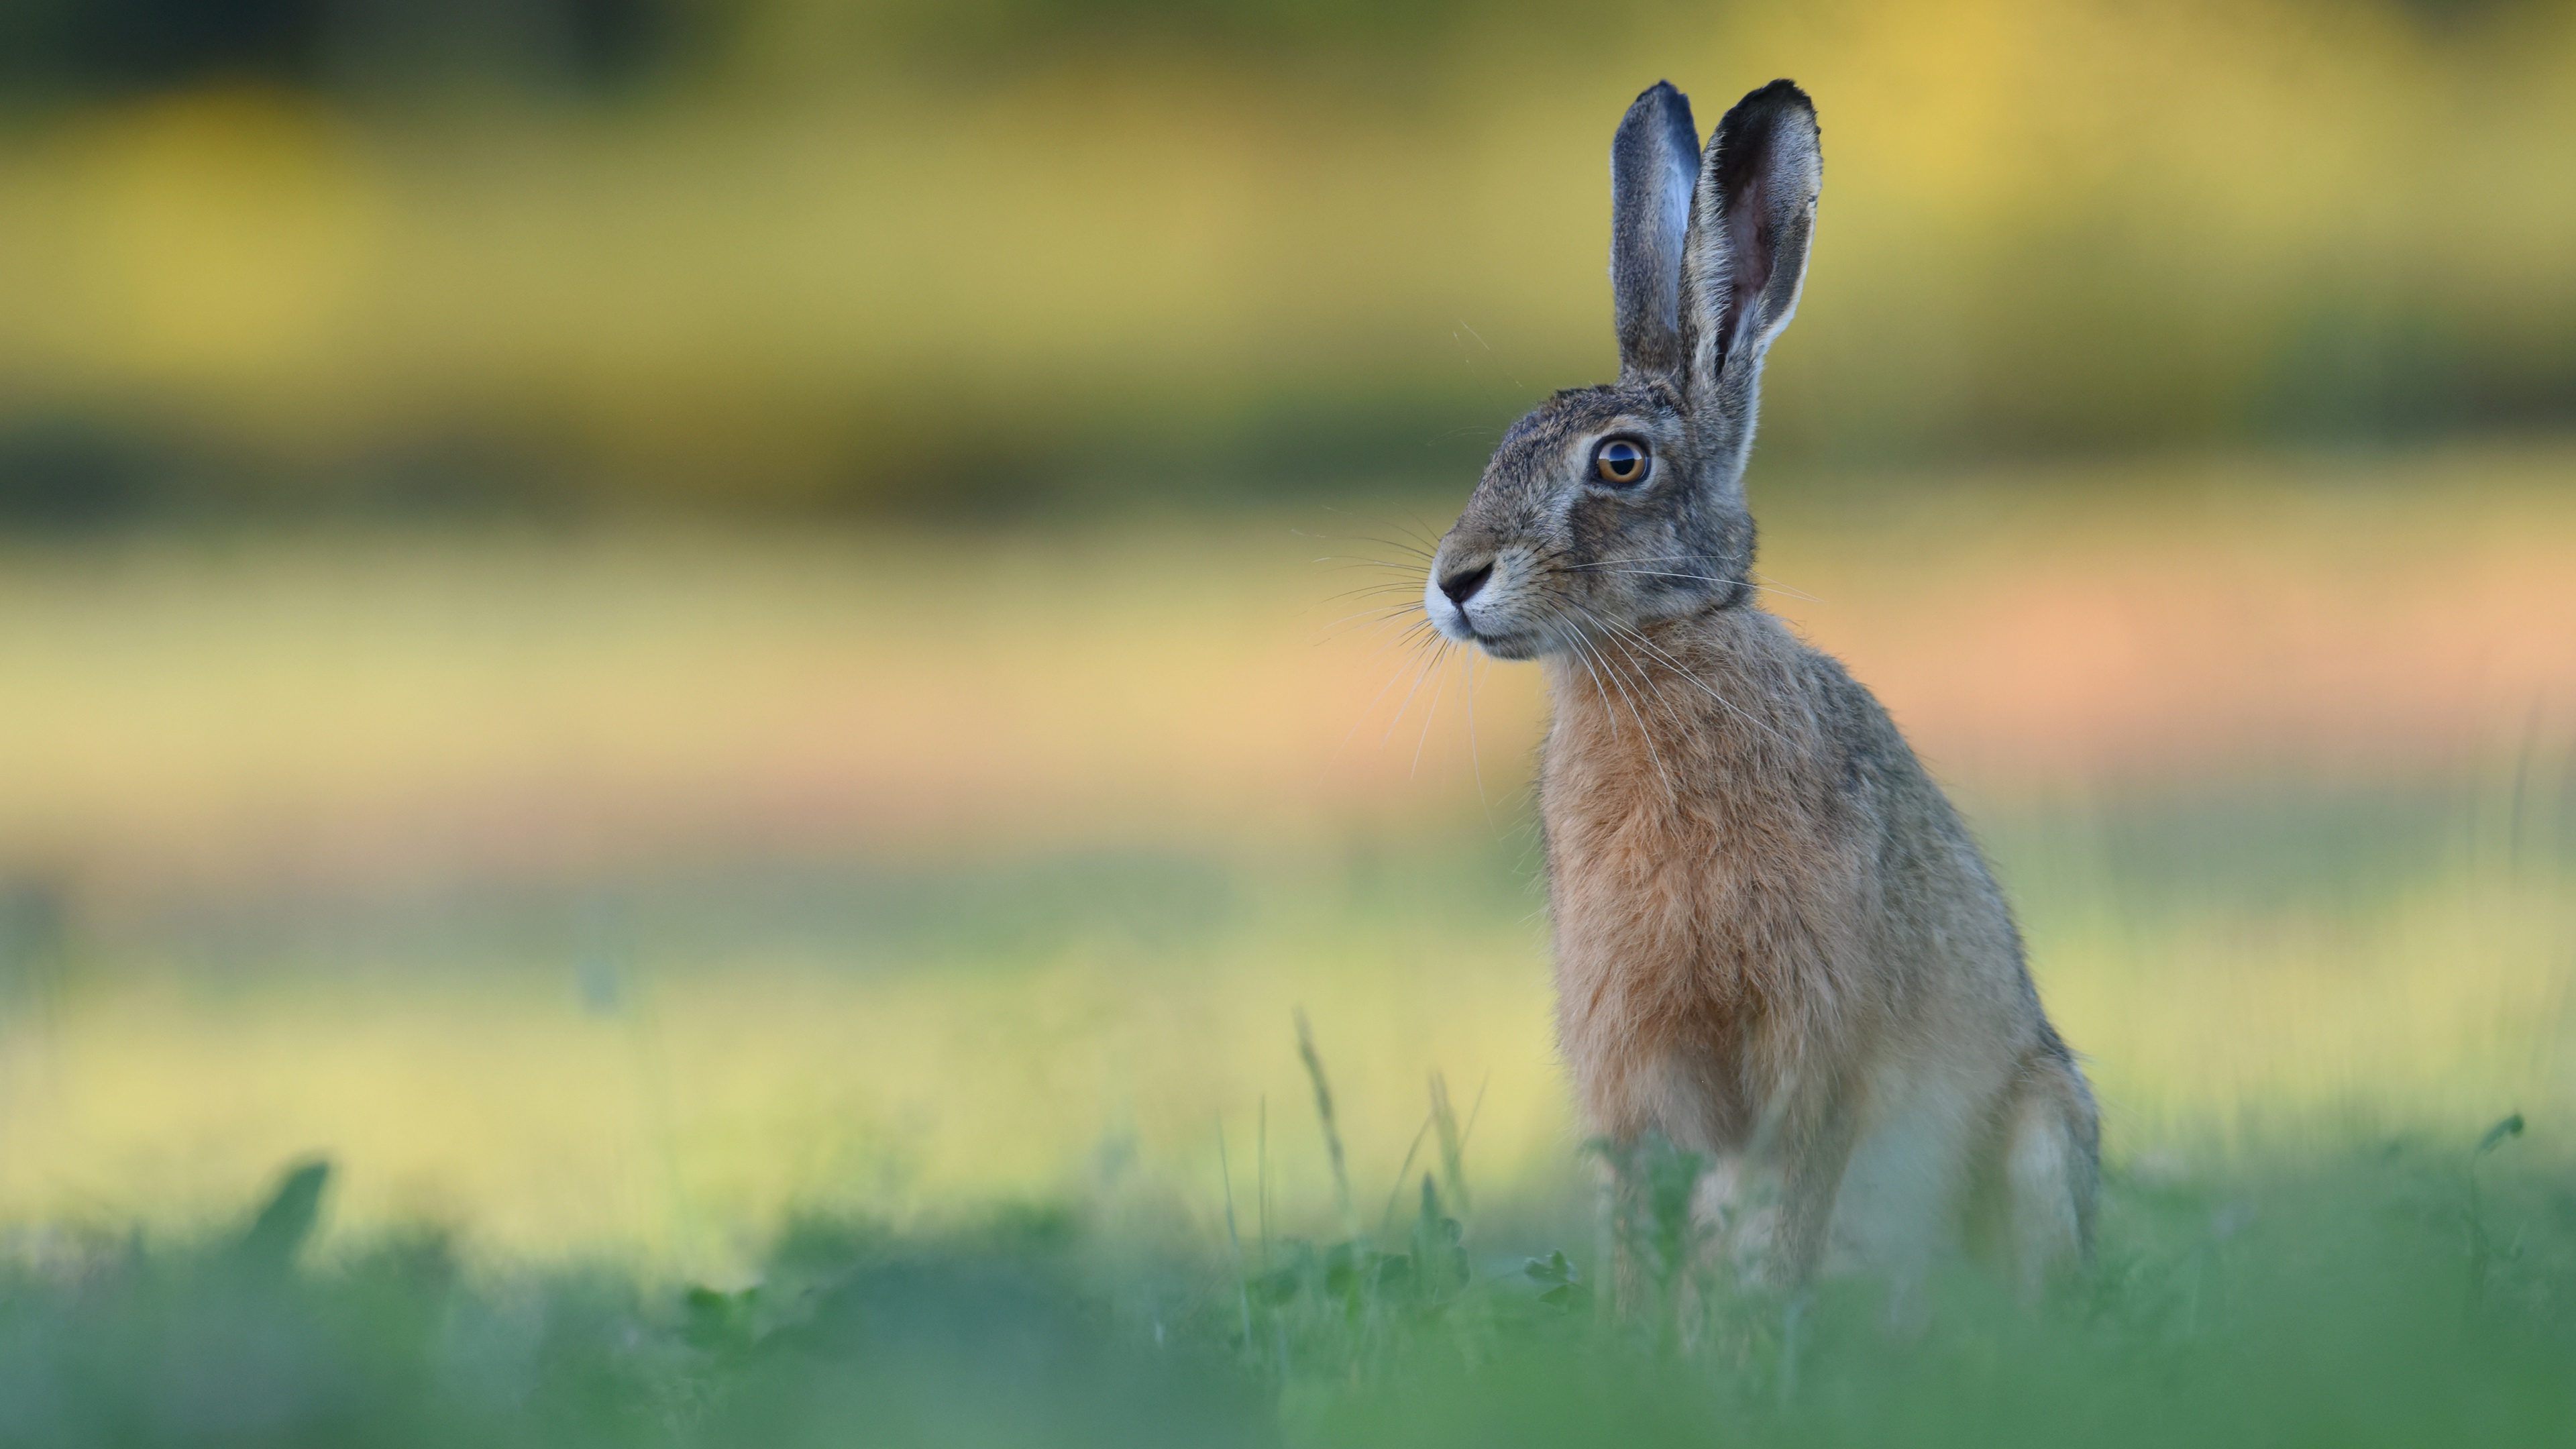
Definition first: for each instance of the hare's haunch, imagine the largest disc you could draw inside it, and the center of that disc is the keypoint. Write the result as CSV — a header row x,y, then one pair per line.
x,y
1776,945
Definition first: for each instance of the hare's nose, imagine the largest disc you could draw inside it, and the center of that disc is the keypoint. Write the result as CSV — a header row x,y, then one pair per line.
x,y
1462,585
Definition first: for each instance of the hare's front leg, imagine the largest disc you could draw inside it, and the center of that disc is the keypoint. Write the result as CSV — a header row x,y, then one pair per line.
x,y
1658,1231
1815,1150
1765,1210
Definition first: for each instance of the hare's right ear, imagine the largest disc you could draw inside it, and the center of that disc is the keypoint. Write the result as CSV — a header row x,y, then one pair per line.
x,y
1654,163
1746,255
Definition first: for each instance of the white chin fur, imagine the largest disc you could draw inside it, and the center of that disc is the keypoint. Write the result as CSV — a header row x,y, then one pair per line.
x,y
1446,617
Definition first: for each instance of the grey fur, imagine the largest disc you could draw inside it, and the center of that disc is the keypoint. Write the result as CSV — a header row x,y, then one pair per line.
x,y
1654,167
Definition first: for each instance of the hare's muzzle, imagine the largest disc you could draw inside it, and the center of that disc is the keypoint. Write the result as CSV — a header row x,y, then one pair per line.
x,y
1461,584
1471,598
1450,592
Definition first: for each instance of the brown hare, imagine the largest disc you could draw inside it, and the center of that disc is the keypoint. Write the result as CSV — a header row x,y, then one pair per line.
x,y
1776,945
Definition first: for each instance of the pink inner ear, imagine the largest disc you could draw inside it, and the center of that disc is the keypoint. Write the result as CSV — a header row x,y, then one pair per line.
x,y
1748,238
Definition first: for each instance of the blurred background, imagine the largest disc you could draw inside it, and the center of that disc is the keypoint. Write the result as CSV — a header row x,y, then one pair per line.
x,y
637,616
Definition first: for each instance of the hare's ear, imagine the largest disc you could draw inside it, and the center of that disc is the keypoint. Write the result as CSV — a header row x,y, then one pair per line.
x,y
1751,216
1654,163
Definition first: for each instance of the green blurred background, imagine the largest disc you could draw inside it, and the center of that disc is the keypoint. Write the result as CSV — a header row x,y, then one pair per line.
x,y
636,617
880,255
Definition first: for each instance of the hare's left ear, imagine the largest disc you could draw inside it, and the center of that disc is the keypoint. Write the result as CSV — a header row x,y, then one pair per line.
x,y
1654,164
1746,253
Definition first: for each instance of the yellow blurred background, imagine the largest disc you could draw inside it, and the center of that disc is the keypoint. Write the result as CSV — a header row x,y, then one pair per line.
x,y
637,618
887,254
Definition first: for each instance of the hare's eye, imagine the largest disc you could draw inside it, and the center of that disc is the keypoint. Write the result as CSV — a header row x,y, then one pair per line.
x,y
1619,462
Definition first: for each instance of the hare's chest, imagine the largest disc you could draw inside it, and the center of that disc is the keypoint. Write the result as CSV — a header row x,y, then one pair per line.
x,y
1659,934
1668,895
1650,888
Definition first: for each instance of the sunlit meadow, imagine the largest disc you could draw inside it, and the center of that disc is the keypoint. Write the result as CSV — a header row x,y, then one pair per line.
x,y
633,892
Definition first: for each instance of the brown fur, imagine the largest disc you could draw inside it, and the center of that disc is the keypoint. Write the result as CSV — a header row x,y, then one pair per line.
x,y
1774,925
1776,944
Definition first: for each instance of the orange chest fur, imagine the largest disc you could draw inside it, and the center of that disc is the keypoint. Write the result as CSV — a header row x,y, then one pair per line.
x,y
1689,875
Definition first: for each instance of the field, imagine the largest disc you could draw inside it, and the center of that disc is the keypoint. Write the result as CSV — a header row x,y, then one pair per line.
x,y
840,986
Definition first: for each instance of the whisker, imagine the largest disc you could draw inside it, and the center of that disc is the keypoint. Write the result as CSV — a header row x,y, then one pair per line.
x,y
1671,715
1416,550
1616,568
1474,765
1412,635
1585,660
1432,712
1706,558
1419,554
1371,519
1407,703
1427,542
1646,736
1388,588
1775,584
1784,588
1702,685
1374,700
1361,561
1382,613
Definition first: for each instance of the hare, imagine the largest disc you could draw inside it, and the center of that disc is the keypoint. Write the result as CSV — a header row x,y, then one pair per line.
x,y
1776,944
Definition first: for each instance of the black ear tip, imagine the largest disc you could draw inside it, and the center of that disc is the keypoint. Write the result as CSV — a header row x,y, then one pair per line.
x,y
1781,95
1762,112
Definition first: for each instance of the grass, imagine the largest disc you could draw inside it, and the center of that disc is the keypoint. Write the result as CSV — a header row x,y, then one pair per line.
x,y
742,1004
2411,1292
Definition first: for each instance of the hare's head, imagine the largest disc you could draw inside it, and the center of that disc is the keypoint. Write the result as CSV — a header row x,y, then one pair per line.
x,y
1623,505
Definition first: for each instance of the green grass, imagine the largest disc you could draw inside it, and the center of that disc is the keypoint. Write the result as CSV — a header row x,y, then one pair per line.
x,y
2406,1292
2302,1242
2319,1262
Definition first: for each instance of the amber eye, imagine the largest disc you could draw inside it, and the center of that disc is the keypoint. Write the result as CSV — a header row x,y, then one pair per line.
x,y
1620,462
